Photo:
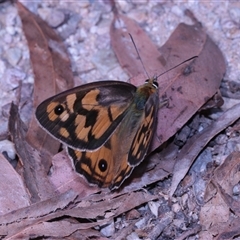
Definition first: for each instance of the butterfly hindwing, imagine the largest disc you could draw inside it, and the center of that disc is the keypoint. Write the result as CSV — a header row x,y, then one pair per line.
x,y
144,134
92,165
102,167
86,116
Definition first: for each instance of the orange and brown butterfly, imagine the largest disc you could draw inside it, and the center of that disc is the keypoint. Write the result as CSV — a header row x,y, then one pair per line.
x,y
107,126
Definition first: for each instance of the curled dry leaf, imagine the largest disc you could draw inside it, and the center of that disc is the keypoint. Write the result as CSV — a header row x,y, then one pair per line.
x,y
51,67
150,171
42,215
60,230
15,222
186,87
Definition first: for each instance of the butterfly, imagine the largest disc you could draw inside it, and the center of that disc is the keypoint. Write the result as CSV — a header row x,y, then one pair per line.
x,y
107,127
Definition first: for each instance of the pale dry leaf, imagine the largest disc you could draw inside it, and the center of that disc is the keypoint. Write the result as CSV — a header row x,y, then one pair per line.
x,y
13,192
51,67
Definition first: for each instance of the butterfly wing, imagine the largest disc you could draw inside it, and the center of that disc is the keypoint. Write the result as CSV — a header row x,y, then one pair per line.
x,y
86,116
105,167
113,162
135,131
92,166
144,134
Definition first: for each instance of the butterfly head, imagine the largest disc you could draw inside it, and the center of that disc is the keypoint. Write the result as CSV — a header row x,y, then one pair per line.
x,y
144,92
152,83
149,87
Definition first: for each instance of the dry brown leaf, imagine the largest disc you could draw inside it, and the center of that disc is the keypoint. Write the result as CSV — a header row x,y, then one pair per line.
x,y
230,230
115,205
186,87
215,102
123,233
213,212
222,230
191,232
64,177
126,53
86,235
34,172
227,175
154,169
51,67
191,150
11,188
59,229
34,218
15,222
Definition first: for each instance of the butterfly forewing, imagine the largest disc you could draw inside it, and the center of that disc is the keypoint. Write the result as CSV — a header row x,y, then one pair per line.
x,y
86,116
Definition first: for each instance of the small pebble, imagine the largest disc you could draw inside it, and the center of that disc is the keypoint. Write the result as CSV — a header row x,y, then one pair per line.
x,y
14,55
55,18
2,67
108,230
153,206
8,146
133,236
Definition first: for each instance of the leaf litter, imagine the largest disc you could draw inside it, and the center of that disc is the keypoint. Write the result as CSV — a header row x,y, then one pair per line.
x,y
184,86
79,213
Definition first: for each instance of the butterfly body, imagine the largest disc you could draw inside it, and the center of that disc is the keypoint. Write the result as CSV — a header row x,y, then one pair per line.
x,y
107,126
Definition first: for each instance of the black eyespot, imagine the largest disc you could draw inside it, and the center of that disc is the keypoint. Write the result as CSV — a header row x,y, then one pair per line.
x,y
59,109
102,165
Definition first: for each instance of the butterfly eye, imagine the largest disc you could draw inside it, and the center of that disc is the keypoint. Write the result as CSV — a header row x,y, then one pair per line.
x,y
102,165
155,84
59,109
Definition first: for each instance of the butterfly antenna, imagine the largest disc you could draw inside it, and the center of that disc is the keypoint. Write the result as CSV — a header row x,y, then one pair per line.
x,y
134,44
189,59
